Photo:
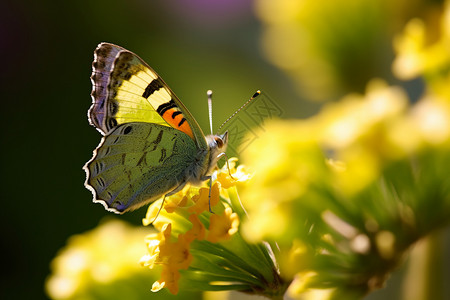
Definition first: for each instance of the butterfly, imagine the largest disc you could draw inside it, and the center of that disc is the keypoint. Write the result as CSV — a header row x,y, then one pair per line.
x,y
151,145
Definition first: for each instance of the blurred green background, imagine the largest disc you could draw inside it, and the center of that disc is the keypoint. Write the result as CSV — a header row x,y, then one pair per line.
x,y
48,47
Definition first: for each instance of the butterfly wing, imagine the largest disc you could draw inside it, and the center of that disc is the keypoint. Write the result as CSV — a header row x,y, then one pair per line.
x,y
126,89
137,163
151,142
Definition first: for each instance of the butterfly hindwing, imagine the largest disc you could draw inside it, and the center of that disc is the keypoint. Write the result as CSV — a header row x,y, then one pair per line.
x,y
137,163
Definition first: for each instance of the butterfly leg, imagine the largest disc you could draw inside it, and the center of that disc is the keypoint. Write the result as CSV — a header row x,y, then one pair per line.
x,y
228,165
210,187
159,210
210,179
177,189
209,196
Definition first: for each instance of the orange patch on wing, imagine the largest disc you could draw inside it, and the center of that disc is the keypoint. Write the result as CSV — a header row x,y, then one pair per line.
x,y
175,119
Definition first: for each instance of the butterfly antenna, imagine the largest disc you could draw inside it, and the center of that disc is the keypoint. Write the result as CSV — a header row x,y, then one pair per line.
x,y
209,93
258,92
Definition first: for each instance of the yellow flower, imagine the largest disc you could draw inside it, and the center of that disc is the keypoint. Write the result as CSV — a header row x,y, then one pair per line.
x,y
95,260
328,188
176,254
198,231
415,55
357,132
178,200
301,282
431,117
222,227
185,220
176,206
202,201
420,52
300,287
152,242
357,117
286,160
327,48
239,174
297,259
169,279
204,250
171,255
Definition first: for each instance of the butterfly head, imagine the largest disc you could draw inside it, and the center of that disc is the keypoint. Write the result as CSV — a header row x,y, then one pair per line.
x,y
217,145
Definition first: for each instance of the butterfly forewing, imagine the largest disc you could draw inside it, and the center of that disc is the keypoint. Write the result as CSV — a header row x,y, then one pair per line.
x,y
127,84
104,57
135,93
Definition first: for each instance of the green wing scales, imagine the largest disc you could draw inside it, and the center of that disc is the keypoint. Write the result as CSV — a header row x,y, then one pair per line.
x,y
137,163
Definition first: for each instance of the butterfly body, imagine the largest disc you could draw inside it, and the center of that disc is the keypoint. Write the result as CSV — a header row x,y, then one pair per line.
x,y
152,146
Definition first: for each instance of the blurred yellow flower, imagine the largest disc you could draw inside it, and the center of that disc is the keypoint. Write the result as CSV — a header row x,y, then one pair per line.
x,y
356,117
357,131
286,160
420,53
300,285
297,259
336,187
97,258
432,119
328,48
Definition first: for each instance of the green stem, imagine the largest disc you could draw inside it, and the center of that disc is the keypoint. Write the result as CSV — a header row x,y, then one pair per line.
x,y
424,278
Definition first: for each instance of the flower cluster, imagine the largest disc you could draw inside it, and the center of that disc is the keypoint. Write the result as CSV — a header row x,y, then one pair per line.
x,y
91,262
362,181
330,48
346,192
197,249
